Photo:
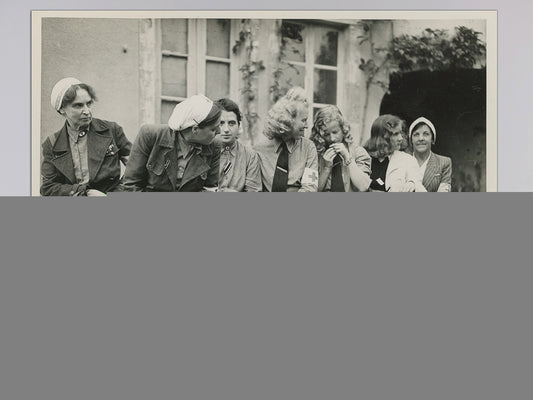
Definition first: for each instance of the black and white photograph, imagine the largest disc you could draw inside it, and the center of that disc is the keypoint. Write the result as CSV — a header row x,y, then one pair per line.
x,y
234,101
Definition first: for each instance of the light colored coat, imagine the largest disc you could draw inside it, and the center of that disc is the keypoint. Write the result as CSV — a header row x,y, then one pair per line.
x,y
402,168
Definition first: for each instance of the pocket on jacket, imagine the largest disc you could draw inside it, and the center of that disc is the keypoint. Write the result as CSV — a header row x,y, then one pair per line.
x,y
156,168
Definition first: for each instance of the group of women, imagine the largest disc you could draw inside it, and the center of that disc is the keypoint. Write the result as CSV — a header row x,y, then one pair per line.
x,y
83,158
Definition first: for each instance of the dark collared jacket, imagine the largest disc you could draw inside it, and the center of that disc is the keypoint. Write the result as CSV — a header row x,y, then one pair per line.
x,y
106,144
153,163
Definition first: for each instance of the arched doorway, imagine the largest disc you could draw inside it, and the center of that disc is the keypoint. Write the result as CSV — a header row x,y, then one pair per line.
x,y
455,101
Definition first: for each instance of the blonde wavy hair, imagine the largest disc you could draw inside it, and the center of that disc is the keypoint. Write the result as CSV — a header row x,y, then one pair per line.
x,y
279,123
323,116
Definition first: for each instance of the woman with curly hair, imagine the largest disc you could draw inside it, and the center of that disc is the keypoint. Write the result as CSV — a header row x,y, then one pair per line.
x,y
342,166
392,169
288,160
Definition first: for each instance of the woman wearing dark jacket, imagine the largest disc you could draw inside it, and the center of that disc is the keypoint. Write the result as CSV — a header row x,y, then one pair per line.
x,y
434,170
179,156
83,157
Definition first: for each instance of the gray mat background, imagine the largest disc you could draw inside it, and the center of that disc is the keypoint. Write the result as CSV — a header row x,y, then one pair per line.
x,y
267,296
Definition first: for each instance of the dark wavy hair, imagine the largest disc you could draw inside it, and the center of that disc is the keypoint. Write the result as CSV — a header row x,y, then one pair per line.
x,y
70,94
280,120
230,106
379,144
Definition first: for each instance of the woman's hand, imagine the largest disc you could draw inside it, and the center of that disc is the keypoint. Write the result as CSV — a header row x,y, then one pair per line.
x,y
408,187
328,156
341,149
95,193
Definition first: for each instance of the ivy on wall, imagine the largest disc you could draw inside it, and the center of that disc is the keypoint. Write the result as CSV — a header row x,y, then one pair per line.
x,y
433,50
250,69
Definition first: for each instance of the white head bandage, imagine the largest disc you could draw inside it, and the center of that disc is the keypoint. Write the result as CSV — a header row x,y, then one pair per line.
x,y
59,90
190,112
422,120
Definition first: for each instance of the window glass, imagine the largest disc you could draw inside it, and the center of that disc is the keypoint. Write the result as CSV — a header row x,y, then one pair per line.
x,y
292,36
293,75
216,80
218,38
325,87
174,35
326,46
174,76
166,110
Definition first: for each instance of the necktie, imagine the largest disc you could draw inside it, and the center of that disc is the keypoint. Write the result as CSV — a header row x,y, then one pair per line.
x,y
281,175
337,183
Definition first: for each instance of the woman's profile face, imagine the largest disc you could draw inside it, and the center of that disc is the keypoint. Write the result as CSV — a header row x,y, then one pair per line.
x,y
207,134
396,138
300,122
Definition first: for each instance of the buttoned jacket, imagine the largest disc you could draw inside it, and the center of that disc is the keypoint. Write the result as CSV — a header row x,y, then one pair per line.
x,y
106,144
438,174
153,164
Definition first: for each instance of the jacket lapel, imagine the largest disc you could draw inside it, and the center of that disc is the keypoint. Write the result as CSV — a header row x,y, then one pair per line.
x,y
98,141
169,142
196,166
63,156
430,175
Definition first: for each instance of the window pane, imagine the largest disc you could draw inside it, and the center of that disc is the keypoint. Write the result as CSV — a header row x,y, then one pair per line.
x,y
325,90
218,37
166,110
174,35
293,75
174,76
216,80
293,44
326,46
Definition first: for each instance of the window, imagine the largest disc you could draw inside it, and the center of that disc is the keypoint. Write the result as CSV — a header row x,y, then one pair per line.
x,y
195,58
311,58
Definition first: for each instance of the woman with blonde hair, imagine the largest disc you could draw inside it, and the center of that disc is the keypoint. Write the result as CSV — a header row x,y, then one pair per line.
x,y
392,170
342,166
288,160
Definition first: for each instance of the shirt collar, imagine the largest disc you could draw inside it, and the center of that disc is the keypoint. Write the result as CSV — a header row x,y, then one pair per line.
x,y
290,145
425,163
229,148
74,134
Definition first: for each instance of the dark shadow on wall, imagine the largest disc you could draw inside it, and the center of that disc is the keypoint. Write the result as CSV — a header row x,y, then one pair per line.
x,y
455,101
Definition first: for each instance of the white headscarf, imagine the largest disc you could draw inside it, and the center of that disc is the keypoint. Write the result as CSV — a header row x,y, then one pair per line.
x,y
59,90
190,112
425,121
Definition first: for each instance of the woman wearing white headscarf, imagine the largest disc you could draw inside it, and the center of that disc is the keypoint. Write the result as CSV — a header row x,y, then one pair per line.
x,y
434,170
178,156
82,158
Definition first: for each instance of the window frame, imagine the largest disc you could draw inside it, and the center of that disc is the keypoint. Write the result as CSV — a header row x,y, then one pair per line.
x,y
310,65
197,59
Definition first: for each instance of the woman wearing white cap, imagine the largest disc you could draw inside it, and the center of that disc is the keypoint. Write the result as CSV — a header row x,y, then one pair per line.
x,y
434,170
83,158
179,156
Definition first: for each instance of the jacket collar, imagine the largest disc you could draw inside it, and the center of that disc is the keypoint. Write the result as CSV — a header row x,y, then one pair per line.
x,y
99,138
